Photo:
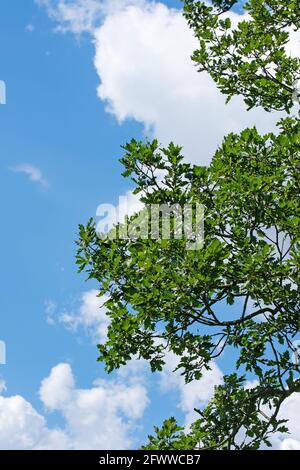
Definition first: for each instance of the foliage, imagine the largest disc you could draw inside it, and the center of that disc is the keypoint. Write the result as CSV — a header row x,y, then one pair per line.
x,y
248,58
240,292
219,423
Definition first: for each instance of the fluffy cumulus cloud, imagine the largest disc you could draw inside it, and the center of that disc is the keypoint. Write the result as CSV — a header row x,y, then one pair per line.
x,y
290,410
22,427
197,393
102,417
143,62
107,415
142,57
91,316
194,394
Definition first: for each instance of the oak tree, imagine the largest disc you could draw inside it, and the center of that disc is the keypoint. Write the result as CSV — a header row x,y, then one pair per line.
x,y
239,294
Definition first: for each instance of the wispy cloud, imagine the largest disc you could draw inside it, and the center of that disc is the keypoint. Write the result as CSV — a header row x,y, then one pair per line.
x,y
83,16
29,28
32,172
2,386
77,16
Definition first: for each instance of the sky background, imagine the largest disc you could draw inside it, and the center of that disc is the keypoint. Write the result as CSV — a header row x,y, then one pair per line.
x,y
83,78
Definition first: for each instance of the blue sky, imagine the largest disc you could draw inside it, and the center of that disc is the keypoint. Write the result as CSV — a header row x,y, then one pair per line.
x,y
59,159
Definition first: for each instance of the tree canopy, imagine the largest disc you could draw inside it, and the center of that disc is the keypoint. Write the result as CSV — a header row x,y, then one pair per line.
x,y
250,58
239,293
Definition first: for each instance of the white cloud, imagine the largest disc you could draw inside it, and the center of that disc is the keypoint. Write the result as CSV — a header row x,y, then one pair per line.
x,y
197,393
293,46
142,57
102,417
56,389
91,316
194,394
32,172
143,62
22,427
82,16
78,16
136,370
107,415
29,28
251,384
129,204
290,410
94,416
2,386
50,308
290,444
